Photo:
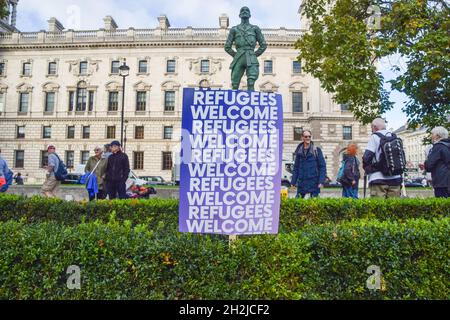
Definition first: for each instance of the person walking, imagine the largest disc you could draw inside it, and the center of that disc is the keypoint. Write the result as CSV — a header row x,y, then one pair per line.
x,y
381,185
117,171
438,162
350,173
51,185
96,165
310,169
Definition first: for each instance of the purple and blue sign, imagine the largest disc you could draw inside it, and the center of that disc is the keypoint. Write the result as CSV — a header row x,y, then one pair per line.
x,y
231,153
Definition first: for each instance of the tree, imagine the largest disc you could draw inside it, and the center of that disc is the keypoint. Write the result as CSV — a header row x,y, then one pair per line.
x,y
342,52
3,9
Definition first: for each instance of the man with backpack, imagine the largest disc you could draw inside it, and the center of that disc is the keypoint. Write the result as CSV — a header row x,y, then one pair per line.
x,y
55,173
384,162
310,170
438,162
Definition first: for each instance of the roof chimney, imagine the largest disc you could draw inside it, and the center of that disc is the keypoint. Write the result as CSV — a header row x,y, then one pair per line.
x,y
54,25
163,22
110,24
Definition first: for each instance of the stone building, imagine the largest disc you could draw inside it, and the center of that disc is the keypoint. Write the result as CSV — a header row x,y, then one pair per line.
x,y
63,87
415,150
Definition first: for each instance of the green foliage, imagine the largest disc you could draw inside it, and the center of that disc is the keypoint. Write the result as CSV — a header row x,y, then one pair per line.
x,y
3,9
119,261
341,52
162,214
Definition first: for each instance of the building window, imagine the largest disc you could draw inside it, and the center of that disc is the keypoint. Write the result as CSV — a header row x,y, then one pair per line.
x,y
139,132
71,100
111,132
83,67
113,101
81,99
167,160
298,132
91,101
141,100
169,101
297,101
115,67
138,160
71,132
20,134
296,67
44,158
86,132
19,157
168,133
171,66
2,102
143,66
347,133
2,69
70,159
26,70
268,66
46,132
49,101
84,157
344,107
24,102
52,68
204,66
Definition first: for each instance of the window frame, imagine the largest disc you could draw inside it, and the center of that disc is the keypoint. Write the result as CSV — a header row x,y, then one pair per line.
x,y
44,132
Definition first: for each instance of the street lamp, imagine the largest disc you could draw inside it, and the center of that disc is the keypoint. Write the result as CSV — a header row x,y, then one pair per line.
x,y
125,139
124,71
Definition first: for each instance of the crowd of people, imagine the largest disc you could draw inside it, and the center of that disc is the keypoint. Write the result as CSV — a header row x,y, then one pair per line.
x,y
383,163
383,166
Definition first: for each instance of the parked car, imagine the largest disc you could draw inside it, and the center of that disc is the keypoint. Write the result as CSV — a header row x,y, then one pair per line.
x,y
156,180
72,178
331,184
132,177
409,184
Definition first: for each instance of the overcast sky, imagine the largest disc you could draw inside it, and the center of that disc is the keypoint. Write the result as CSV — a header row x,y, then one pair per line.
x,y
89,14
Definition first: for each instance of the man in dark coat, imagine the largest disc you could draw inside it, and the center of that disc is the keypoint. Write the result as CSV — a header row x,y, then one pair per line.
x,y
310,169
438,162
117,172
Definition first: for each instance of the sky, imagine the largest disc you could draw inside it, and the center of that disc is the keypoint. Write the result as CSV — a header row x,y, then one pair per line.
x,y
88,15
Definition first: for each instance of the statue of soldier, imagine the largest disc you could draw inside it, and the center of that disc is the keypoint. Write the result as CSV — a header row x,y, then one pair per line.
x,y
245,36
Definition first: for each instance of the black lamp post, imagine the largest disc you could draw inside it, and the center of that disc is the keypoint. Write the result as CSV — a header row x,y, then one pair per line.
x,y
125,139
124,71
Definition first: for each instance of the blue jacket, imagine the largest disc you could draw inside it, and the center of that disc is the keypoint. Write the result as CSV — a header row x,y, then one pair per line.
x,y
309,169
4,170
92,186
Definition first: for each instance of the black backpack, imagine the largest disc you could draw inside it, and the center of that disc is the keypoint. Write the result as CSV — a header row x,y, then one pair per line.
x,y
392,159
61,173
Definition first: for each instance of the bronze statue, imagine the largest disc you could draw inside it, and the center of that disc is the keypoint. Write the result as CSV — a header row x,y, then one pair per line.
x,y
245,36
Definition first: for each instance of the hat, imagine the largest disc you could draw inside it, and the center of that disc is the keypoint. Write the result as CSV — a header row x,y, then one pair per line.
x,y
115,143
51,147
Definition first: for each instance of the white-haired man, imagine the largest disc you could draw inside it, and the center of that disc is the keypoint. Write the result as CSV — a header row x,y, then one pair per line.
x,y
438,162
380,185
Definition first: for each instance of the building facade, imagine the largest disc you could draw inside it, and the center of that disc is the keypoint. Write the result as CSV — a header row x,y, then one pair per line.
x,y
63,87
415,150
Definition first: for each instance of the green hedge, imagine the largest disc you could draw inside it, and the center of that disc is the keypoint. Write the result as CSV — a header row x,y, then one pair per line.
x,y
295,213
121,261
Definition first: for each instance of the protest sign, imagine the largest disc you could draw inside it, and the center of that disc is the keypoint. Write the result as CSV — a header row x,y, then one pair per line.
x,y
231,153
